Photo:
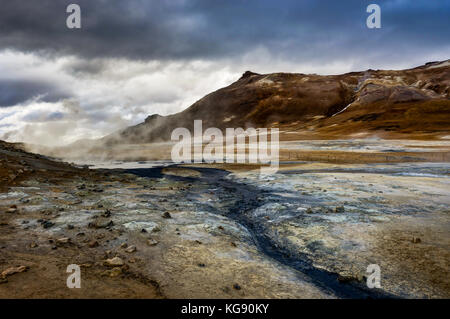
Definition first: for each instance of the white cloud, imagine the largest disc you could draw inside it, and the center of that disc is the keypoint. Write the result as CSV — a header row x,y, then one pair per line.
x,y
117,94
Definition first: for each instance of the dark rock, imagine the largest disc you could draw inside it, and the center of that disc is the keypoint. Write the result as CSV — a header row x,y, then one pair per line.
x,y
339,209
47,224
93,244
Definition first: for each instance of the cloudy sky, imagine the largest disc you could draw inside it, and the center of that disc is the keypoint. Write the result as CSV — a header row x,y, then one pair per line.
x,y
134,58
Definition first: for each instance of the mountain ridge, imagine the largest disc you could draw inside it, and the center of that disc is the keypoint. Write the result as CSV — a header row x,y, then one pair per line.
x,y
293,101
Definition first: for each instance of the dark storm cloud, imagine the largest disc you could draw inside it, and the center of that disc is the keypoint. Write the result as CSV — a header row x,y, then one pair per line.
x,y
175,29
13,92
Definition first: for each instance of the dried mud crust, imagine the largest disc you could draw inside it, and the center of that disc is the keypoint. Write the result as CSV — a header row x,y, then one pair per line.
x,y
24,241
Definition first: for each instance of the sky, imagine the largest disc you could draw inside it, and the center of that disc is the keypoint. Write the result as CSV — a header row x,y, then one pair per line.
x,y
134,58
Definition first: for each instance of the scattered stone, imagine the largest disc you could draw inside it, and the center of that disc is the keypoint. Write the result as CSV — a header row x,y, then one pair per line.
x,y
124,245
152,242
156,229
416,240
13,270
33,245
93,244
70,227
64,240
201,265
309,211
237,287
339,209
131,249
47,224
116,271
233,244
166,215
114,262
12,209
101,223
143,230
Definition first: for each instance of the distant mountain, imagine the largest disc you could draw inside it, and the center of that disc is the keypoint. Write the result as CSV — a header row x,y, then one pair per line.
x,y
385,103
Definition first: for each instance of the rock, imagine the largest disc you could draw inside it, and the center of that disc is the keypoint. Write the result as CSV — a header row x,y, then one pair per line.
x,y
138,226
64,240
33,245
237,287
47,224
12,210
3,280
152,242
116,271
93,244
124,245
416,240
13,270
101,223
201,265
131,249
114,262
339,209
70,227
166,215
309,211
